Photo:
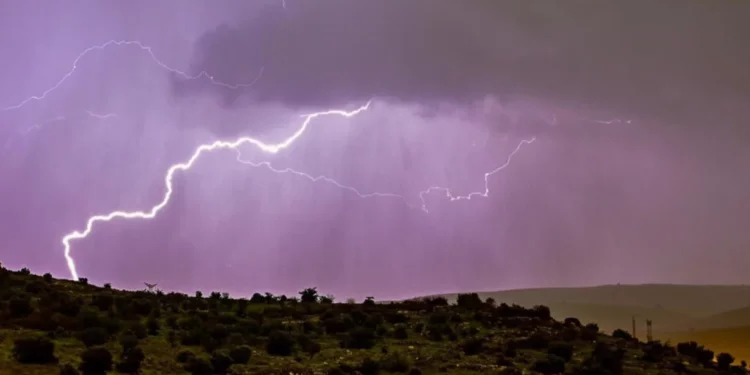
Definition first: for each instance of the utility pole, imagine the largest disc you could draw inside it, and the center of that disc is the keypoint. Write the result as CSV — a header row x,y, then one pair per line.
x,y
649,331
634,336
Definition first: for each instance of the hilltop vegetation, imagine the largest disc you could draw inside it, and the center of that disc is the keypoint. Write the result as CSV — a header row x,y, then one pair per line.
x,y
50,326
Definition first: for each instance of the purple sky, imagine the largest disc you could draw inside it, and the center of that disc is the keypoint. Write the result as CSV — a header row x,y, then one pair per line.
x,y
659,196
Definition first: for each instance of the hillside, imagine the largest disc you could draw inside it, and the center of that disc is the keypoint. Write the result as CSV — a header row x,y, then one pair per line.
x,y
689,300
50,326
671,308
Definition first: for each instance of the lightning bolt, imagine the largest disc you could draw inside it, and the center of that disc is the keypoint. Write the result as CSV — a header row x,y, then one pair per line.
x,y
312,178
150,214
483,194
141,46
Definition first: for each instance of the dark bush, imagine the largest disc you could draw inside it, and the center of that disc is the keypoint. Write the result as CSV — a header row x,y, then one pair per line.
x,y
400,332
724,360
469,301
550,365
131,360
185,356
128,341
48,278
241,354
395,362
572,321
369,367
472,346
68,369
96,361
359,338
621,334
153,326
562,350
20,306
280,344
220,361
34,350
308,345
593,327
415,371
94,336
199,366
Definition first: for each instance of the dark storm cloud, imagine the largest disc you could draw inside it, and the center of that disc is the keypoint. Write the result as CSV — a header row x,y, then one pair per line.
x,y
635,56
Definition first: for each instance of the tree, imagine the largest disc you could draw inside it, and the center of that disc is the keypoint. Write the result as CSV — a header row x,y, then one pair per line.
x,y
309,295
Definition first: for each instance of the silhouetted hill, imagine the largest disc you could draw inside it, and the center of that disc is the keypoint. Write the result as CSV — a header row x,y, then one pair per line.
x,y
50,326
689,300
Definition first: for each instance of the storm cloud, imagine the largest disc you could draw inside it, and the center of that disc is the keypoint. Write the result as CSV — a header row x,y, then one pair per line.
x,y
650,57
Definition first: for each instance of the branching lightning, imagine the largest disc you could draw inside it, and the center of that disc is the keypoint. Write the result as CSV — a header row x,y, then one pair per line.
x,y
422,194
234,145
143,47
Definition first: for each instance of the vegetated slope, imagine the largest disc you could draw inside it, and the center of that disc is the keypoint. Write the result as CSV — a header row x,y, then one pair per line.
x,y
735,340
690,300
50,326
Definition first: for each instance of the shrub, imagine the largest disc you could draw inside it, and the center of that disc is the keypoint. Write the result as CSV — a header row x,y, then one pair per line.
x,y
400,332
359,338
369,367
128,341
153,326
308,345
220,361
280,344
131,361
472,346
562,350
724,360
20,306
93,336
241,354
395,362
185,356
620,334
96,361
572,321
68,369
48,278
199,366
469,301
34,350
550,365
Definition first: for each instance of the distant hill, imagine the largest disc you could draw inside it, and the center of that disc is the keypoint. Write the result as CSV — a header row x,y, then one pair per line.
x,y
690,300
727,319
